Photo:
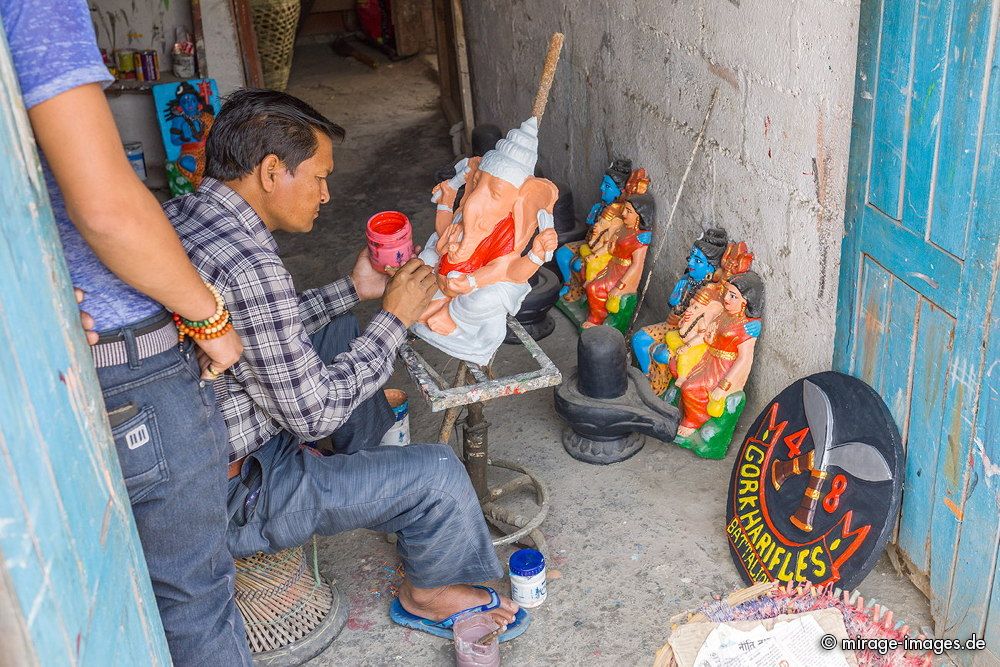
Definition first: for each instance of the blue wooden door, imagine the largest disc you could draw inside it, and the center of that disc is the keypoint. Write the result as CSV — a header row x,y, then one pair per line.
x,y
73,583
917,318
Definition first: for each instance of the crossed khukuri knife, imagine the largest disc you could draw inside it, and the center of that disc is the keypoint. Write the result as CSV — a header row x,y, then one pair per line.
x,y
858,459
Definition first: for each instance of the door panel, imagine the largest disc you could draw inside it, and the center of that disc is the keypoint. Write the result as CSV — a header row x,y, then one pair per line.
x,y
967,83
918,274
931,42
891,86
932,357
69,552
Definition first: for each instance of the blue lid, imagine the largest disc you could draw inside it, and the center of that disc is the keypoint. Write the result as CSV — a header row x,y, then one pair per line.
x,y
526,562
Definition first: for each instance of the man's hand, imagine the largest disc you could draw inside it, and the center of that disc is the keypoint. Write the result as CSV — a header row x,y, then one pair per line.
x,y
368,283
218,354
409,291
86,321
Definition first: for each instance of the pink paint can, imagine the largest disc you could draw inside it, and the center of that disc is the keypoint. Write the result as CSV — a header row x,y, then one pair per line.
x,y
390,239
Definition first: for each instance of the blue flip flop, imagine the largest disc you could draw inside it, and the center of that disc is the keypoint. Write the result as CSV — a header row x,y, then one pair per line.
x,y
443,628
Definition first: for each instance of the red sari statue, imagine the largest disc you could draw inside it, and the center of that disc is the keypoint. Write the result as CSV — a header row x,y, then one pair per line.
x,y
611,294
726,364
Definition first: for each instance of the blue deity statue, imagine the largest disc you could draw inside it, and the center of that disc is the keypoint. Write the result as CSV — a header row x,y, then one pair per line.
x,y
702,263
612,187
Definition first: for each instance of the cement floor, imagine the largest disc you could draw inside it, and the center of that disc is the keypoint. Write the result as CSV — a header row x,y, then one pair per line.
x,y
633,543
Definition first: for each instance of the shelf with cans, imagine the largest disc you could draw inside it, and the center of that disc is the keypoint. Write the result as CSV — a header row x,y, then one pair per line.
x,y
138,71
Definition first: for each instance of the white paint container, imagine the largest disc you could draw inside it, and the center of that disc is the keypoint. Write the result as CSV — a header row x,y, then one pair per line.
x,y
398,434
527,577
136,158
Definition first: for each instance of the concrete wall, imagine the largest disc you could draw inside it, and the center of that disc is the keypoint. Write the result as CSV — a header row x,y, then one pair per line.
x,y
144,24
635,81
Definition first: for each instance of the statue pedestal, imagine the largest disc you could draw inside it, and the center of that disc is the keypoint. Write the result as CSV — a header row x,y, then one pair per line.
x,y
608,405
513,526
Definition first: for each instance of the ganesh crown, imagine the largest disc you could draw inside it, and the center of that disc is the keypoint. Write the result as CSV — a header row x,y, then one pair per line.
x,y
514,157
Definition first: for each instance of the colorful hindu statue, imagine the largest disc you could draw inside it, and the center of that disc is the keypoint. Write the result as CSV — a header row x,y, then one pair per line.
x,y
611,293
568,256
679,349
477,249
190,118
654,344
612,245
711,394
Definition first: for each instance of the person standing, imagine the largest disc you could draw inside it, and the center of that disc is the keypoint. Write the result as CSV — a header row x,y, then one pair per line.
x,y
123,254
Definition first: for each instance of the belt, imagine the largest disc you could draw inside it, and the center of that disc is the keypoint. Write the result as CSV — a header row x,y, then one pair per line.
x,y
235,467
150,340
722,354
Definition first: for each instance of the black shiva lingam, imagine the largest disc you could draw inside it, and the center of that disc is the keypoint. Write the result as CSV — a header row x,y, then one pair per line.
x,y
608,404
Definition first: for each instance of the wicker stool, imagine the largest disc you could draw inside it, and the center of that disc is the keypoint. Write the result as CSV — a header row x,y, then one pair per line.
x,y
274,22
290,612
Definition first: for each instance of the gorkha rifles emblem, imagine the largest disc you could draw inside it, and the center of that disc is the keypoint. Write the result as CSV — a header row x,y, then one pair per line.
x,y
858,459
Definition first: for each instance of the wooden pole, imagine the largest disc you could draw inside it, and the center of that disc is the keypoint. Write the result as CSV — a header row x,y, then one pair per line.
x,y
662,232
462,63
548,75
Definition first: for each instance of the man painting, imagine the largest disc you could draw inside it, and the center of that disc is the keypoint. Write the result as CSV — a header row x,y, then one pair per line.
x,y
307,372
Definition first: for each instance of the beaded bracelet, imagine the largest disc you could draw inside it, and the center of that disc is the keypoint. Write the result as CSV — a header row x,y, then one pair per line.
x,y
216,326
204,334
220,308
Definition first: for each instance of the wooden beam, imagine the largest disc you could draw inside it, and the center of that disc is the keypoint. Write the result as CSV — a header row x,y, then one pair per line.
x,y
462,62
252,72
199,39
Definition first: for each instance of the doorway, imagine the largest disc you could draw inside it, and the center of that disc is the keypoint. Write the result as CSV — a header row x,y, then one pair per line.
x,y
917,314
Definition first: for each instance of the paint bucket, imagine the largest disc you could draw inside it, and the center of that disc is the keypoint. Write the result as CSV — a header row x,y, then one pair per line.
x,y
136,158
527,577
469,628
125,59
398,434
390,239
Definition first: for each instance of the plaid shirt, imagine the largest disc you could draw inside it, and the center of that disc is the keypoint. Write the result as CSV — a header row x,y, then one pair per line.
x,y
280,383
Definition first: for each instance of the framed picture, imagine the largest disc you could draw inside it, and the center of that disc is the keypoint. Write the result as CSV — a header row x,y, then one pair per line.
x,y
185,112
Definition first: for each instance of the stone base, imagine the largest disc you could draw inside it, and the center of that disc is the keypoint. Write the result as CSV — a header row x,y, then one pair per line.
x,y
712,440
537,330
576,311
601,452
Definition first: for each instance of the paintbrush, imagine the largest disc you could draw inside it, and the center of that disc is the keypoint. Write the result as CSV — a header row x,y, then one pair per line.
x,y
487,638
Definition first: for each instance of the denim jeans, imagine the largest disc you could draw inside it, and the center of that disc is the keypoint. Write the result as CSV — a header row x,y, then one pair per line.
x,y
287,492
173,450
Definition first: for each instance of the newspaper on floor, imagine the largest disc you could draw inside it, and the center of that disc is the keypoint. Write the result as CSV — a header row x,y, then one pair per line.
x,y
786,641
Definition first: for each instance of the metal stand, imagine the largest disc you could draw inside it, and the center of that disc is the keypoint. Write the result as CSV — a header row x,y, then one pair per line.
x,y
513,526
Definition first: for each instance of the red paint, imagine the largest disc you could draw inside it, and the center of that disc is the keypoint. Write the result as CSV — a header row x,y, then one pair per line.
x,y
767,128
837,488
390,239
500,242
794,442
355,624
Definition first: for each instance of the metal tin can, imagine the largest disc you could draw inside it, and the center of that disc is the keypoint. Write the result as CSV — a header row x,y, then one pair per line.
x,y
139,74
150,65
136,157
125,58
184,65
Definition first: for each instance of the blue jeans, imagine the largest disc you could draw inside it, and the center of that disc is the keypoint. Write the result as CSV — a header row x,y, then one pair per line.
x,y
287,492
173,451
